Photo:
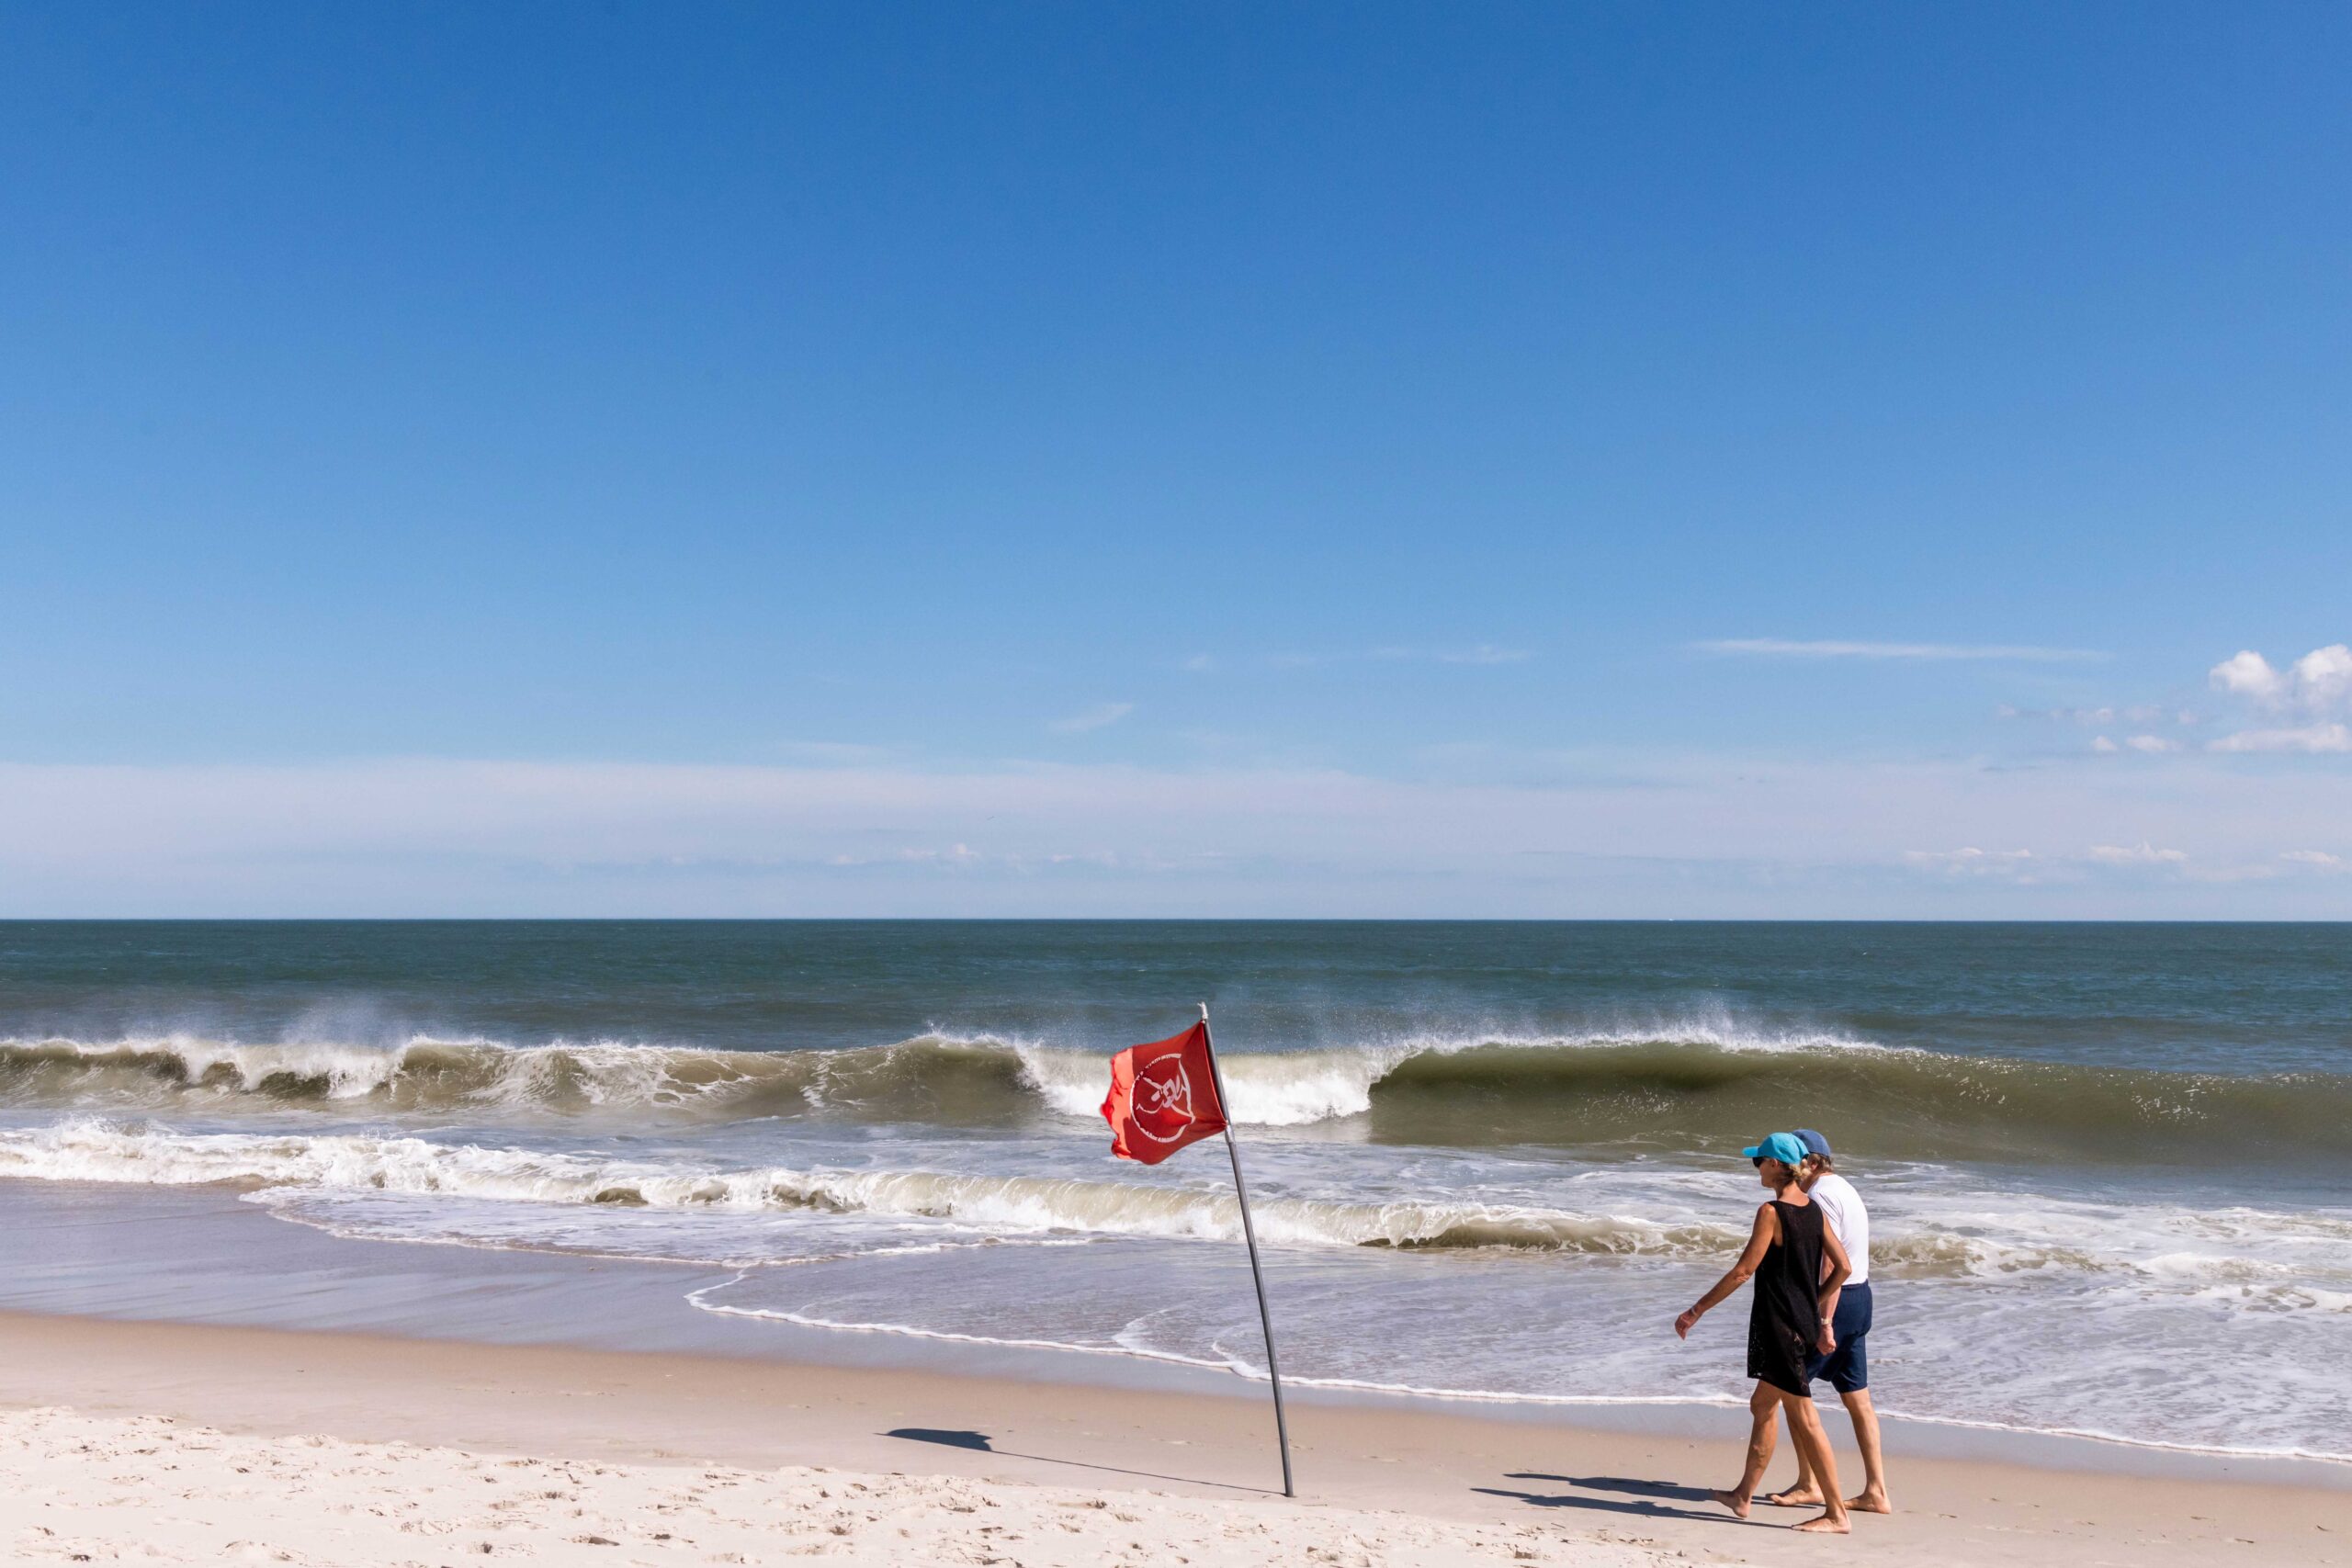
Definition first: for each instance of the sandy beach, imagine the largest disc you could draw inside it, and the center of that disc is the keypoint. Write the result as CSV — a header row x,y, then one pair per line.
x,y
179,1443
171,1492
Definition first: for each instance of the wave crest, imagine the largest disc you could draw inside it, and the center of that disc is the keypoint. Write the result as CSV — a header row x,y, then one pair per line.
x,y
1635,1088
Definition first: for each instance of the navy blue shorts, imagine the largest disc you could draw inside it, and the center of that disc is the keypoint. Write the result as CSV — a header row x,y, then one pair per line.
x,y
1848,1368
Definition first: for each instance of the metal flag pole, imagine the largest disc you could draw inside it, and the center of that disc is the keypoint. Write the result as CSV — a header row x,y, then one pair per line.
x,y
1249,1234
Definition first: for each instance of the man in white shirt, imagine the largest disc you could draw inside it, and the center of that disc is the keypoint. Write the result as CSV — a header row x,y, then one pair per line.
x,y
1847,1365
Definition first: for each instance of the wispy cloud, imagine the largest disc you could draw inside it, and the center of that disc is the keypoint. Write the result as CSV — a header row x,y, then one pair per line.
x,y
1094,717
1477,653
2319,859
2314,740
2147,745
2141,854
2137,713
1788,648
1972,862
956,854
836,753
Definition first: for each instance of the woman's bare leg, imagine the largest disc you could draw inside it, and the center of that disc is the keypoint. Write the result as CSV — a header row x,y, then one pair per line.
x,y
1871,1498
1805,1428
1763,1409
1805,1492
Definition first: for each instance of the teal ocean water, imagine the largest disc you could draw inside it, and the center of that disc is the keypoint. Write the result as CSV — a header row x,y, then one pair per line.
x,y
2109,1166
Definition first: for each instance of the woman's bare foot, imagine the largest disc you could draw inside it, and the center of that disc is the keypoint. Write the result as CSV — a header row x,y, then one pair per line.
x,y
1869,1502
1827,1524
1732,1500
1796,1497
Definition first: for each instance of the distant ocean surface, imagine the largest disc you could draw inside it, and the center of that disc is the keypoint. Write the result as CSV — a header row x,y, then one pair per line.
x,y
2109,1166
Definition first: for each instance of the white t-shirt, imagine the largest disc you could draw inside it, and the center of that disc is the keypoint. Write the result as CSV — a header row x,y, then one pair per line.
x,y
1842,1207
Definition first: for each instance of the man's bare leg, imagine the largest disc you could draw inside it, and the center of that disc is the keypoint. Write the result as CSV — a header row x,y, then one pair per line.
x,y
1805,1427
1763,1435
1871,1498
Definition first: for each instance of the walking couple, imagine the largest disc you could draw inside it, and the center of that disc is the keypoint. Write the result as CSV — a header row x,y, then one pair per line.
x,y
1809,1256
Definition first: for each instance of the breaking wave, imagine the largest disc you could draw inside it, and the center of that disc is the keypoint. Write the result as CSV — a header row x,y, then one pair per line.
x,y
1674,1086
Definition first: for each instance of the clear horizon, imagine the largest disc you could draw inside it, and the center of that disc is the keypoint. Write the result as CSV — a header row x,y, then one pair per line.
x,y
880,462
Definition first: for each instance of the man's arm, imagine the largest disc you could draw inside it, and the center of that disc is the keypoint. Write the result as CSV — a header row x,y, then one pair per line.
x,y
1838,1269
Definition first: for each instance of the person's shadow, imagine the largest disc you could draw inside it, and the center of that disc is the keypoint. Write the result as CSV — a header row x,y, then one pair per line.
x,y
979,1442
1644,1499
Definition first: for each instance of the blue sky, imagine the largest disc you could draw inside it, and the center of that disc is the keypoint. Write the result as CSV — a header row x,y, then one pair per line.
x,y
1079,459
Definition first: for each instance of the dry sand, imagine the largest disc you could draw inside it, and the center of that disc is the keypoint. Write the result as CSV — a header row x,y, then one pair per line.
x,y
170,1443
148,1489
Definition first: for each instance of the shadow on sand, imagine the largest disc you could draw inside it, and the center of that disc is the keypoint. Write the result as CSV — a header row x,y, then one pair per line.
x,y
1643,1499
979,1442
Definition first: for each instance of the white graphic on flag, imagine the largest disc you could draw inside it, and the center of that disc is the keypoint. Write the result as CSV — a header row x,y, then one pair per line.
x,y
1164,1089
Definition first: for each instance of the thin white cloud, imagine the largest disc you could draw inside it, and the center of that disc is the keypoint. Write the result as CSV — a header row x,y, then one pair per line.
x,y
1094,717
2152,743
1199,664
2138,712
954,854
1971,861
2318,858
1787,647
2142,854
836,753
2316,739
1477,653
2104,746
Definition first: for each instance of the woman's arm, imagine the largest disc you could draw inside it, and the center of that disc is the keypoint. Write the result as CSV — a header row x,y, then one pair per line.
x,y
1759,1240
1838,1269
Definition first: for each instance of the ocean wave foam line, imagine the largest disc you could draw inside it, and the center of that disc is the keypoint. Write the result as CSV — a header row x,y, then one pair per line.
x,y
93,1149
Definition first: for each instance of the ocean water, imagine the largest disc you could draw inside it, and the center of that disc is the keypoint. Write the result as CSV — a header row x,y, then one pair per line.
x,y
2109,1167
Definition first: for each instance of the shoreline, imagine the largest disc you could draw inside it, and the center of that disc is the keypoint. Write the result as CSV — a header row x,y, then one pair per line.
x,y
198,1255
158,1328
1453,1469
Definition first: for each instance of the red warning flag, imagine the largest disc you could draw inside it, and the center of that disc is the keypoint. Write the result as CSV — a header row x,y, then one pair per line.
x,y
1163,1096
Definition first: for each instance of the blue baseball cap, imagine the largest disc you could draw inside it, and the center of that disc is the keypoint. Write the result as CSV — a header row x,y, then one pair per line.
x,y
1783,1147
1814,1142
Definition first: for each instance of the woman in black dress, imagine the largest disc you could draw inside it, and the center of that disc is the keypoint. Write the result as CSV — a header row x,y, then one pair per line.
x,y
1798,1268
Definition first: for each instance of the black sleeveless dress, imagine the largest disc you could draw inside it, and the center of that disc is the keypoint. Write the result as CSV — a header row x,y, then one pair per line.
x,y
1784,1319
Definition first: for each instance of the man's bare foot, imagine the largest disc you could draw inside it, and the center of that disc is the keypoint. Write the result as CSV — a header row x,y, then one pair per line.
x,y
1869,1502
1732,1500
1796,1497
1827,1524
